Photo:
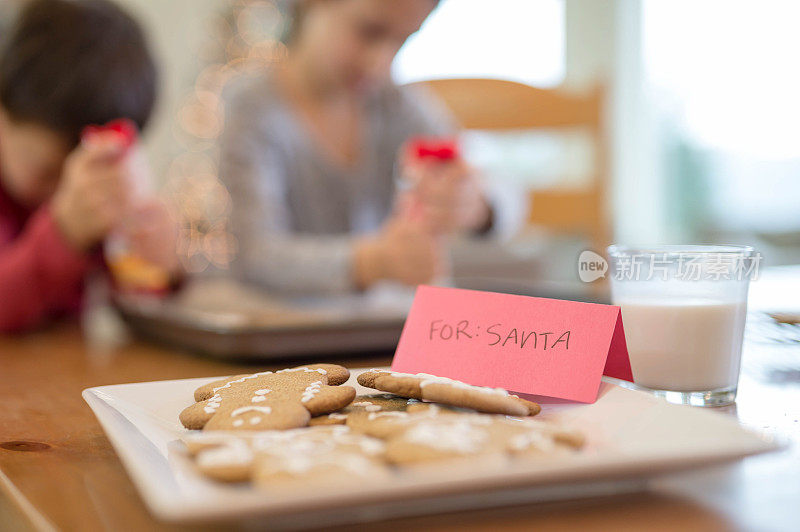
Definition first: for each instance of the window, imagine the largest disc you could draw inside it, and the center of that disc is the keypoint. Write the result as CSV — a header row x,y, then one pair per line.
x,y
724,78
519,40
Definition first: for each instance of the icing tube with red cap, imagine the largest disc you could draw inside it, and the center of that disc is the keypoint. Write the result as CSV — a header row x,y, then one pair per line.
x,y
426,150
130,272
420,151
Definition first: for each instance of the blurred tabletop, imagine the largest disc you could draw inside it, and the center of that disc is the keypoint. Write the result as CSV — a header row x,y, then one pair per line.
x,y
58,470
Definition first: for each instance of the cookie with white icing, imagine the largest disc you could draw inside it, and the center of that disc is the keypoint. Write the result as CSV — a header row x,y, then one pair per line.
x,y
308,455
386,425
229,461
436,434
420,406
538,439
465,436
269,400
448,391
336,375
429,438
379,402
373,442
320,456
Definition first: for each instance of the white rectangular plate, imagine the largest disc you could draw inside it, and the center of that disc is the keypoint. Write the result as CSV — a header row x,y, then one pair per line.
x,y
631,437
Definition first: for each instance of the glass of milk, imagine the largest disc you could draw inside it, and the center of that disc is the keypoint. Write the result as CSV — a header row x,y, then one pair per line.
x,y
683,310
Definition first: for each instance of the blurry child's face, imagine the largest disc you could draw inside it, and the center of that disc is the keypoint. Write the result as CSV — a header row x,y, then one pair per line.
x,y
351,43
31,157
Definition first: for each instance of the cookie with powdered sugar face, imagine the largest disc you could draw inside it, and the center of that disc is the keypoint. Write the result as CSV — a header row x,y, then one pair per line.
x,y
448,391
380,402
268,400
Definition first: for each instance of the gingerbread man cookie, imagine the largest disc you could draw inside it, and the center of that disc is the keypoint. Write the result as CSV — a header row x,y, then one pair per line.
x,y
336,375
268,400
448,391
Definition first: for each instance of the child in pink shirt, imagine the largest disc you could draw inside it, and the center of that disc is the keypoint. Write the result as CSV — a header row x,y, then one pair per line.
x,y
66,65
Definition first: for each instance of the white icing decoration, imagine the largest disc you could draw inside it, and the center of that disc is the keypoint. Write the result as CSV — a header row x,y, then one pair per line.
x,y
263,391
213,404
310,391
238,423
535,440
241,379
361,403
372,408
255,420
427,379
297,451
391,413
232,453
258,398
371,445
337,416
242,409
304,369
298,464
460,436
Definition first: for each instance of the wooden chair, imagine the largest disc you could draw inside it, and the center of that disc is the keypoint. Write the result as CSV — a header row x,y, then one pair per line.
x,y
493,105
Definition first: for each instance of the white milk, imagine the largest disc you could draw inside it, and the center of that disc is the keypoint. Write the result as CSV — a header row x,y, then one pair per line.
x,y
689,345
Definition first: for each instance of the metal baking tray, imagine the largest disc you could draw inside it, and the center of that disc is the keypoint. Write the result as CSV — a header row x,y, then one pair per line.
x,y
221,319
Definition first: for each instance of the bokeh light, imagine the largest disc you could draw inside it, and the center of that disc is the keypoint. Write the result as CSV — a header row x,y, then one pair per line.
x,y
245,38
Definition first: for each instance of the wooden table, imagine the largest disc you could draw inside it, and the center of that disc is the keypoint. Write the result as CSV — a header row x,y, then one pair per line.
x,y
58,470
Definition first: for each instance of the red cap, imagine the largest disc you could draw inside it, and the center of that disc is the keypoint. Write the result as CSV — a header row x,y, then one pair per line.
x,y
125,128
440,149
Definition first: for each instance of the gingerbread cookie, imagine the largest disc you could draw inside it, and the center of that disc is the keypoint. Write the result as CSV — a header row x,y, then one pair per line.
x,y
363,403
336,375
229,461
419,406
448,391
320,455
314,454
427,438
388,424
436,433
268,400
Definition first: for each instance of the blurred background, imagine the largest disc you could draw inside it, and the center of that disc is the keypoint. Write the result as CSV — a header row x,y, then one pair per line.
x,y
691,133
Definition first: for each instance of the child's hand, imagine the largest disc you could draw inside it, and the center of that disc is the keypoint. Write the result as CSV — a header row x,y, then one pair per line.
x,y
93,193
405,250
449,195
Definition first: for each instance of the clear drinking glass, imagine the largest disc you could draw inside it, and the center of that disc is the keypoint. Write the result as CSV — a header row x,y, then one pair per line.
x,y
683,310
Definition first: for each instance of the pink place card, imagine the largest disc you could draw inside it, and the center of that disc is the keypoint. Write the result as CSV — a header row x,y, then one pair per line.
x,y
527,345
